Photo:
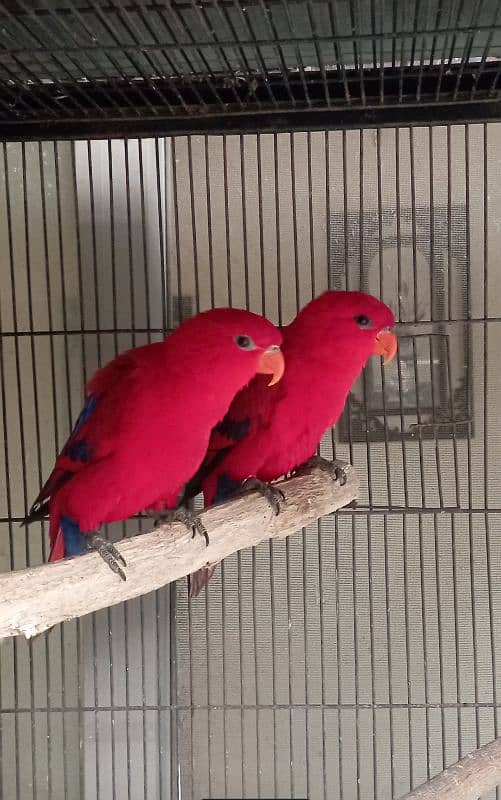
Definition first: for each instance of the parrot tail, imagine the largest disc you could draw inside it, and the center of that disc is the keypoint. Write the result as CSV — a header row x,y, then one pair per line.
x,y
56,539
197,580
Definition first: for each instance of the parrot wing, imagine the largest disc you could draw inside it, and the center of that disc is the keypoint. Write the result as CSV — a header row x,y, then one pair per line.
x,y
84,445
250,410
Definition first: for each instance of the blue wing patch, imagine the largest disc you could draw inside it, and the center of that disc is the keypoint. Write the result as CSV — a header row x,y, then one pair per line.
x,y
78,451
85,413
225,488
74,539
234,429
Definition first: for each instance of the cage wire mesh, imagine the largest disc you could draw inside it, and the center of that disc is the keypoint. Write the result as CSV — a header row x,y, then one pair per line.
x,y
359,657
122,66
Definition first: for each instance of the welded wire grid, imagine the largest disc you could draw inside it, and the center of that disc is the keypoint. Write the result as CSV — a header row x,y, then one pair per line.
x,y
359,657
91,60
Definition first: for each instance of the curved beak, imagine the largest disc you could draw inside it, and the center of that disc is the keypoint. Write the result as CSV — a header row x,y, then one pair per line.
x,y
272,363
386,345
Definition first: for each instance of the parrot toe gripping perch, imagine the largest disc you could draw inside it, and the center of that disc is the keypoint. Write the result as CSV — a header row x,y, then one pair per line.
x,y
337,469
274,496
108,553
192,521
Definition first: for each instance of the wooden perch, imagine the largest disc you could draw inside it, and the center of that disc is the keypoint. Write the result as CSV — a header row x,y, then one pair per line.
x,y
468,779
34,599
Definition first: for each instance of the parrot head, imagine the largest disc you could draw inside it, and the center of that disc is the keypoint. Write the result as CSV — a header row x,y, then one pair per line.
x,y
357,324
247,343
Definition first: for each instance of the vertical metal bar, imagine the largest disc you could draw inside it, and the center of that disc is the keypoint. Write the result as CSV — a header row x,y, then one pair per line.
x,y
37,426
261,221
389,650
173,688
79,631
277,228
416,314
99,358
194,236
468,440
348,278
54,413
339,681
292,139
209,220
161,233
400,314
21,431
142,609
126,604
425,636
310,213
176,220
486,440
227,221
244,235
382,295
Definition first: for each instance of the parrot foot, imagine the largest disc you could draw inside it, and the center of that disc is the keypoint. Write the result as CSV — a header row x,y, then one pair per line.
x,y
337,469
192,521
108,553
272,494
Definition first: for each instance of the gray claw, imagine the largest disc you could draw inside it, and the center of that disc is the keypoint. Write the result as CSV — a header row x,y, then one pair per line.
x,y
192,521
108,553
337,469
275,497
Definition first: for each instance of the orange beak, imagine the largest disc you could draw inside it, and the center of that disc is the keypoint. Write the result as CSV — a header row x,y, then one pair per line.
x,y
386,345
272,363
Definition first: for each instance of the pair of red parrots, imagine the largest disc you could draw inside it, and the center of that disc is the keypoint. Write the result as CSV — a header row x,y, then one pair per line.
x,y
199,410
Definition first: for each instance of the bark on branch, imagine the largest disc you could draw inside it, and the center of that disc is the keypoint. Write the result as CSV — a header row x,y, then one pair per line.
x,y
34,599
471,777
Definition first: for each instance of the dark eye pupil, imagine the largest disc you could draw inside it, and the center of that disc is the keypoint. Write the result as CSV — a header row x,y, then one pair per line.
x,y
244,342
363,321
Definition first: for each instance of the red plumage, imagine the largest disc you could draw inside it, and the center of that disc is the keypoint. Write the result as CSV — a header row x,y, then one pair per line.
x,y
147,420
325,350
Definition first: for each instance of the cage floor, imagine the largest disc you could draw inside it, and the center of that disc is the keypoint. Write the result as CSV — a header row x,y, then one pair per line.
x,y
359,657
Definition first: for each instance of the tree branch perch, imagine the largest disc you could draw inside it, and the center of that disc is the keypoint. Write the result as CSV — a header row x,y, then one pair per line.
x,y
34,599
471,777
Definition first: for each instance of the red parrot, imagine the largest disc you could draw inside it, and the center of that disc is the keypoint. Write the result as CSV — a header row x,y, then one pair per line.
x,y
145,426
268,433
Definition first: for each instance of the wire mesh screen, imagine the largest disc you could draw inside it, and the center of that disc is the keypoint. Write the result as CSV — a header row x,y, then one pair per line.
x,y
149,64
359,657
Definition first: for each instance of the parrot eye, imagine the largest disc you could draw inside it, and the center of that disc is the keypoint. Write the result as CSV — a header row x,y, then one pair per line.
x,y
245,343
363,321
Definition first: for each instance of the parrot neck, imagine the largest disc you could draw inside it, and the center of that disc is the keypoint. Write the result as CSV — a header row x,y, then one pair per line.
x,y
331,367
